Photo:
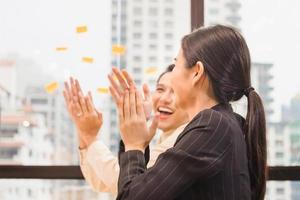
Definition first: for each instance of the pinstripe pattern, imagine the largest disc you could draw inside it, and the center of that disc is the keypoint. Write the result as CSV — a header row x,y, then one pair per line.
x,y
208,161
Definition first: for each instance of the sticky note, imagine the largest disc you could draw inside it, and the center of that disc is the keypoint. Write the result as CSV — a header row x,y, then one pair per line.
x,y
81,29
87,59
118,49
61,49
51,87
103,90
151,70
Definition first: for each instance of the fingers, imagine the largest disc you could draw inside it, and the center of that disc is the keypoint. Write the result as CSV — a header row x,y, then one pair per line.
x,y
120,78
146,90
139,105
154,125
67,99
67,92
89,103
99,116
126,107
128,78
115,85
73,87
118,100
82,103
77,87
116,97
132,101
91,97
76,108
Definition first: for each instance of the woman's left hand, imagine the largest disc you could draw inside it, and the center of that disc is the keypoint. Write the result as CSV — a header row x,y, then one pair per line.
x,y
132,121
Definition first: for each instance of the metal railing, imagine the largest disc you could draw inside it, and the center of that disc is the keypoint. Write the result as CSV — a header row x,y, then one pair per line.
x,y
278,173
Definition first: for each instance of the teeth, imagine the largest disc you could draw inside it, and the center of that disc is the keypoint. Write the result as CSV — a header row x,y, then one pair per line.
x,y
162,109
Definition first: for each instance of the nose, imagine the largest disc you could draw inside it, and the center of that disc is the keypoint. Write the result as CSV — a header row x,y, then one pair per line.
x,y
166,97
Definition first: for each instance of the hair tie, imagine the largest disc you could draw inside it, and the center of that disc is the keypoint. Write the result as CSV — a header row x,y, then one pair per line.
x,y
247,91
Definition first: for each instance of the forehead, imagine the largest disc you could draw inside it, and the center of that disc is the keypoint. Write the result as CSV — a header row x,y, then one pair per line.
x,y
165,80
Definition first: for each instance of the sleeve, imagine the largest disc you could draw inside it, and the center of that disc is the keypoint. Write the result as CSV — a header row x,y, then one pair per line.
x,y
122,149
99,167
198,155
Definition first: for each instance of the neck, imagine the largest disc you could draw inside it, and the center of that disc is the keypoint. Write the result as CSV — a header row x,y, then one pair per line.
x,y
199,104
169,131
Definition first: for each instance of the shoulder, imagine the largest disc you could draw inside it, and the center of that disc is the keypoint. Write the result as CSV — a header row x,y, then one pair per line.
x,y
208,123
207,118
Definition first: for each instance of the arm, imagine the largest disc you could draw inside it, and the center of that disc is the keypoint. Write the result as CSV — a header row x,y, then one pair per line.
x,y
198,155
100,167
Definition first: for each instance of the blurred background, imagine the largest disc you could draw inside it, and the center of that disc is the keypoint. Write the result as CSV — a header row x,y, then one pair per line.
x,y
42,43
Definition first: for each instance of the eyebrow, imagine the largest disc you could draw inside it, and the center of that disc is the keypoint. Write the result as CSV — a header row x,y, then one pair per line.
x,y
160,85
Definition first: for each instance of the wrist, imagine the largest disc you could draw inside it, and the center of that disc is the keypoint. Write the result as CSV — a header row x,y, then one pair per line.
x,y
135,147
86,141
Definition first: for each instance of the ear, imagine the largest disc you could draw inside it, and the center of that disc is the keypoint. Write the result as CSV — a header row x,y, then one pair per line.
x,y
198,71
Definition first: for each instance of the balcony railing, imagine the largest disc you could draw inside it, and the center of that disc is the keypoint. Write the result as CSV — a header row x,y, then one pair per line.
x,y
278,173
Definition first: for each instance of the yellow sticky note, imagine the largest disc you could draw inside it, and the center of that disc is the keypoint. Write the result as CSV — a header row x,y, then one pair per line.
x,y
61,49
81,29
118,49
103,90
151,70
87,59
51,87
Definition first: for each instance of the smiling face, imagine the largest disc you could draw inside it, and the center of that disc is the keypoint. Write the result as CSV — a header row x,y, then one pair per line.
x,y
171,117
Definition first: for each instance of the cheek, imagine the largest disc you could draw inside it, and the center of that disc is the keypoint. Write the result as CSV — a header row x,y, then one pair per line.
x,y
174,78
155,99
177,81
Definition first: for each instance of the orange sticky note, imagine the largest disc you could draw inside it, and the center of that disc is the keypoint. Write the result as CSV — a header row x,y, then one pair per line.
x,y
87,59
118,49
51,87
61,49
103,90
151,70
81,29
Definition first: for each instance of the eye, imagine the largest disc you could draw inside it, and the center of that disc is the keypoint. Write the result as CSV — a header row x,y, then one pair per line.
x,y
159,89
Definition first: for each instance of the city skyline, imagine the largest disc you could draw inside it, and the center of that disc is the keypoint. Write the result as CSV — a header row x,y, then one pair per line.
x,y
29,40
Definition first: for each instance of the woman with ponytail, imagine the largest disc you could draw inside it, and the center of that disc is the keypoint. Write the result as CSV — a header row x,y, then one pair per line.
x,y
219,155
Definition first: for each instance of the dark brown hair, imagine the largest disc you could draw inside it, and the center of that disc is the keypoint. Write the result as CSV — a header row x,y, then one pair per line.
x,y
167,70
226,60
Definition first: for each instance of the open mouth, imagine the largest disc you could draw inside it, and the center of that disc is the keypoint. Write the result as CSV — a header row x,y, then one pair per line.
x,y
164,112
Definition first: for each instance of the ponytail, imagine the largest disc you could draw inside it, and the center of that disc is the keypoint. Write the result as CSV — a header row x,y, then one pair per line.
x,y
255,135
226,59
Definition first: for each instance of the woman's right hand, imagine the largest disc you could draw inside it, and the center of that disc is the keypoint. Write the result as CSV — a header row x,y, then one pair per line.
x,y
87,119
120,88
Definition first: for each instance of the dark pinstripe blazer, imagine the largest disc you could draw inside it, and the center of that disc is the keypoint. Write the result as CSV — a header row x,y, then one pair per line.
x,y
208,161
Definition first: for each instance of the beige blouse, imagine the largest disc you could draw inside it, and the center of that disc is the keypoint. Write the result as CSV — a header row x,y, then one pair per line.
x,y
100,167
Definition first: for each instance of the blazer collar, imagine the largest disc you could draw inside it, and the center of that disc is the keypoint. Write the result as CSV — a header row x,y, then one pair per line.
x,y
221,107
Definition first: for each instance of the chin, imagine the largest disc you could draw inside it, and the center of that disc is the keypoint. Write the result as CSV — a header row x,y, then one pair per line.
x,y
163,127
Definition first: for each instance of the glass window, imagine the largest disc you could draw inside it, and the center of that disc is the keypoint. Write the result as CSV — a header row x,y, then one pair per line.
x,y
137,10
153,36
153,11
137,35
169,11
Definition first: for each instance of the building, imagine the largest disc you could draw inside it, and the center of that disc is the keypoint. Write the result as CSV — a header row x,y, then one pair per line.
x,y
24,141
225,12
